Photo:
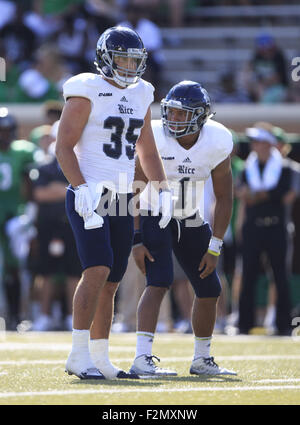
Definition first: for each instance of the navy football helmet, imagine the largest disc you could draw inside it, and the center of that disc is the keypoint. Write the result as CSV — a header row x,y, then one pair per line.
x,y
192,98
126,44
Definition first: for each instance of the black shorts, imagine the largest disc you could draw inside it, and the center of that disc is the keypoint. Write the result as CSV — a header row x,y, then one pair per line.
x,y
189,245
109,245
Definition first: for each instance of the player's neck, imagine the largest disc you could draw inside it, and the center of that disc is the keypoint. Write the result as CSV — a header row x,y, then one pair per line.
x,y
188,141
113,83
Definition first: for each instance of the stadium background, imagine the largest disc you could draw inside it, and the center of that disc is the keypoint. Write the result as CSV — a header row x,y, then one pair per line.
x,y
205,41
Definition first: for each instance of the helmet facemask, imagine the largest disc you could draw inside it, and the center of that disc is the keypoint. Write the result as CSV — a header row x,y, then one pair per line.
x,y
115,68
190,125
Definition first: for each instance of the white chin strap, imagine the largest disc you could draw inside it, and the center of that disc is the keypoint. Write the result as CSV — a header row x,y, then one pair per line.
x,y
123,81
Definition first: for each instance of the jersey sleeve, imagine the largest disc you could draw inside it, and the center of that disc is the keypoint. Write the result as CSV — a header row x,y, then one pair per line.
x,y
158,133
76,86
148,93
224,146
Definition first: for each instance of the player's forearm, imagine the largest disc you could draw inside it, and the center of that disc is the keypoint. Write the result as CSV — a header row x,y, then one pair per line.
x,y
223,190
137,222
154,170
222,216
69,165
139,175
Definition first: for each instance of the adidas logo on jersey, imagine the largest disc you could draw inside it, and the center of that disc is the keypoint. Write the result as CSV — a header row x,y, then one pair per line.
x,y
123,99
187,160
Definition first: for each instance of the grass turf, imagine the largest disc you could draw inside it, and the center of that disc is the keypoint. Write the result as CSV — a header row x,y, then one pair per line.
x,y
32,372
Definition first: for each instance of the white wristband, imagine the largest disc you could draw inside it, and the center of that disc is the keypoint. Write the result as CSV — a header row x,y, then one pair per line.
x,y
215,245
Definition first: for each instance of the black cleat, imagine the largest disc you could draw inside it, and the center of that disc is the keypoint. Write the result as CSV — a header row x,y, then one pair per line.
x,y
91,373
125,375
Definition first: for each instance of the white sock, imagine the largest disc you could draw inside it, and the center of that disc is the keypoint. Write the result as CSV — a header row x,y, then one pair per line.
x,y
100,356
144,343
80,340
79,357
202,347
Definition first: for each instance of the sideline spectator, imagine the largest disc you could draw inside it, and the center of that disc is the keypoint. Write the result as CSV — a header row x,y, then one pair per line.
x,y
52,113
18,40
228,91
8,91
56,250
71,41
16,156
8,9
44,80
167,13
264,183
266,76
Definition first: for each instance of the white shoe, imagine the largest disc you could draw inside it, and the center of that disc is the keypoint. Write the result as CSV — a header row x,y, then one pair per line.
x,y
207,366
110,371
43,323
82,367
144,367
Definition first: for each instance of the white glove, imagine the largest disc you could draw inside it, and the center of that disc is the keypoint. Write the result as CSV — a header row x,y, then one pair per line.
x,y
84,206
93,221
165,206
83,201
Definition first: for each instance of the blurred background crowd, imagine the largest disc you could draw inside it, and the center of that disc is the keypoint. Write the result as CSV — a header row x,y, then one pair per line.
x,y
230,46
241,51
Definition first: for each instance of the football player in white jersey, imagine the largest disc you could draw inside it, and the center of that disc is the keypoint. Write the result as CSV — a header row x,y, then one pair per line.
x,y
193,147
105,120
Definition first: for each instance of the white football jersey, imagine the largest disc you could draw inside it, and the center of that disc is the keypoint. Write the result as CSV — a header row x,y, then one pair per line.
x,y
188,169
105,151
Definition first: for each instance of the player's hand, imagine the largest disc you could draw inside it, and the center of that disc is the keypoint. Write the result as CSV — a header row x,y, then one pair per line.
x,y
140,252
83,201
207,265
85,204
165,206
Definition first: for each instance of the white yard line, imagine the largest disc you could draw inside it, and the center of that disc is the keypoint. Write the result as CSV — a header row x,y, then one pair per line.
x,y
164,359
102,390
271,381
131,336
32,346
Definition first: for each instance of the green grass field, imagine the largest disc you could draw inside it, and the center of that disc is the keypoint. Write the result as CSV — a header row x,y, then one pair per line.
x,y
32,372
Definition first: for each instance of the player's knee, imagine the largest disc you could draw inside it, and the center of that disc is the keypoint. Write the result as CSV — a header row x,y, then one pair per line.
x,y
97,274
110,288
157,291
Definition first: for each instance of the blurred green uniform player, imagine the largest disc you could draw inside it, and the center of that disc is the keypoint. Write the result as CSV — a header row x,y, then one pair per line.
x,y
14,164
15,159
